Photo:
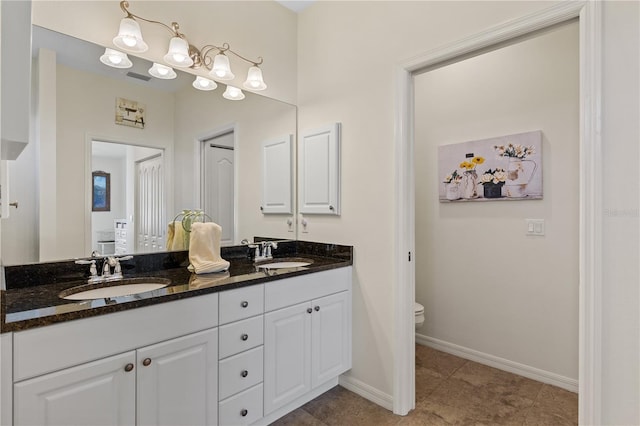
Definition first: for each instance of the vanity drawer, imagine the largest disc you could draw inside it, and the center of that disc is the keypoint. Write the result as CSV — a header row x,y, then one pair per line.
x,y
243,408
240,372
241,303
240,336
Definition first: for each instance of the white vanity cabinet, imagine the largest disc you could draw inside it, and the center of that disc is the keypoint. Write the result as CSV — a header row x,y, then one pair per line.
x,y
164,371
307,343
95,393
241,355
170,383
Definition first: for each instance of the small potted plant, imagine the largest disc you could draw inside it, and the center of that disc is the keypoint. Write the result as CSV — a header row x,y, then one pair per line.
x,y
492,182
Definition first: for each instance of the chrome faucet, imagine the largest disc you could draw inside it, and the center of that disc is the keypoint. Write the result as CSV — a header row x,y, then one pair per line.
x,y
109,261
263,250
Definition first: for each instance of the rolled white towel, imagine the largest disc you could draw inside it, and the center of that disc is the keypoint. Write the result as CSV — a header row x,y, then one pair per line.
x,y
204,248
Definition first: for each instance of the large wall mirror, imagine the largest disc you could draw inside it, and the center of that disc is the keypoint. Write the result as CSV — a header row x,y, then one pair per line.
x,y
180,148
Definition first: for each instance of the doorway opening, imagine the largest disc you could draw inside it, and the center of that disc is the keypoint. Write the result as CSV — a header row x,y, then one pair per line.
x,y
590,204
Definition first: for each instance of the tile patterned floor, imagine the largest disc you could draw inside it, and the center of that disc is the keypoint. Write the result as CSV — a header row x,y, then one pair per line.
x,y
449,391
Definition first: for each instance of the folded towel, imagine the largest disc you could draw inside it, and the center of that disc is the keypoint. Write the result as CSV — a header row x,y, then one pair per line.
x,y
208,280
177,238
204,248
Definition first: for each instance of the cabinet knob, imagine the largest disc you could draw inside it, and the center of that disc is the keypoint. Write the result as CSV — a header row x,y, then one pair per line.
x,y
261,208
244,304
244,336
244,373
317,308
244,412
146,362
331,208
128,367
309,310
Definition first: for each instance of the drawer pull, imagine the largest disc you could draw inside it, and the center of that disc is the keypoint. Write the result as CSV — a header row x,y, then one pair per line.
x,y
309,310
317,308
244,304
244,412
146,362
244,373
244,336
128,367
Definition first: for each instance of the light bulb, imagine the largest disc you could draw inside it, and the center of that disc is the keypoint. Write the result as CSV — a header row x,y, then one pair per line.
x,y
115,59
129,41
233,93
254,79
202,83
162,71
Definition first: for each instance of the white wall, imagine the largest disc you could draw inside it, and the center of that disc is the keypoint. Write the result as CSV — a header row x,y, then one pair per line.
x,y
485,285
103,221
621,203
256,119
252,28
86,108
347,75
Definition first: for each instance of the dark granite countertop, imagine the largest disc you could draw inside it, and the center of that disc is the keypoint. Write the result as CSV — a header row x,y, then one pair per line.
x,y
32,296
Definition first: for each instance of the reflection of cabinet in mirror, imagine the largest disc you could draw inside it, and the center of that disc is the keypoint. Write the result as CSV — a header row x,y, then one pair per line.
x,y
277,175
319,176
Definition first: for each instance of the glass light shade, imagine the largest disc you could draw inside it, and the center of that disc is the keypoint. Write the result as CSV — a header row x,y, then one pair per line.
x,y
221,69
162,71
129,37
115,59
202,83
254,79
178,54
233,94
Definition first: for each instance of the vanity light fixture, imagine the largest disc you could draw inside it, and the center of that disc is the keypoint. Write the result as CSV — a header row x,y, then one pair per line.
x,y
233,94
115,59
162,71
181,53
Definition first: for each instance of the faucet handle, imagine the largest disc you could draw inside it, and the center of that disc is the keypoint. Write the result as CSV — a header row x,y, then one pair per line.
x,y
92,269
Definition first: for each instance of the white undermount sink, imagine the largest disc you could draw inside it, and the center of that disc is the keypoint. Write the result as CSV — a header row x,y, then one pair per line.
x,y
126,287
281,264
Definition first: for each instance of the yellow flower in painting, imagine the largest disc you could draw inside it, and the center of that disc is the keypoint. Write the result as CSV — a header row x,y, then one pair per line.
x,y
465,165
477,160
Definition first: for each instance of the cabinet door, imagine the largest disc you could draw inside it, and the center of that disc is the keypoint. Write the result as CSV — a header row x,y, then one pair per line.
x,y
287,355
277,175
331,337
178,381
96,393
319,171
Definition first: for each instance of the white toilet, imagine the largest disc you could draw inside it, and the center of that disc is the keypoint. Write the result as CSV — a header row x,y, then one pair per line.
x,y
419,312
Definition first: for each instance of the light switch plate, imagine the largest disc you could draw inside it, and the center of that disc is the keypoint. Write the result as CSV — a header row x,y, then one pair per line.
x,y
534,227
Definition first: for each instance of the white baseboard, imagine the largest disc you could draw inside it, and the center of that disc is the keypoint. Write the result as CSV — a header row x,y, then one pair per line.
x,y
368,392
499,363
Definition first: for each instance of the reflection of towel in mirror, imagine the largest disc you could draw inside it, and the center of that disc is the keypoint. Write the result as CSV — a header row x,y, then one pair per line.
x,y
177,238
204,248
208,280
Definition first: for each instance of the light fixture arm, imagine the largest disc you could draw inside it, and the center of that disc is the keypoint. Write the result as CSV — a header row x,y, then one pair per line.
x,y
200,56
173,29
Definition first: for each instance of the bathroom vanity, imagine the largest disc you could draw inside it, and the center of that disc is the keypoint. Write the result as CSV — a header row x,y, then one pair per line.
x,y
243,347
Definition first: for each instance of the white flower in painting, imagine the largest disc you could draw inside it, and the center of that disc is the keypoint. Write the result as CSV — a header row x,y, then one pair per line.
x,y
448,179
486,178
500,175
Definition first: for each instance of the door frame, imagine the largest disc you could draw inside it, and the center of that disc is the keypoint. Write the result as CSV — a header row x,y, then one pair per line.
x,y
198,158
590,205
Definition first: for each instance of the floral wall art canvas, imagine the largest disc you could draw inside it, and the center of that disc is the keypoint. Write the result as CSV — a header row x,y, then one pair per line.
x,y
504,168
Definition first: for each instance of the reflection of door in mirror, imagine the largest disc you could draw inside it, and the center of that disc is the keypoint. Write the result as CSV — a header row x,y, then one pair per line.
x,y
218,183
136,220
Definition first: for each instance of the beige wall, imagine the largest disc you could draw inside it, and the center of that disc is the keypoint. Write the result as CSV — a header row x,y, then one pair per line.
x,y
86,108
252,28
485,285
256,119
346,75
